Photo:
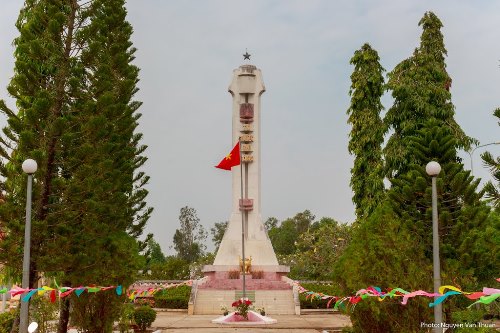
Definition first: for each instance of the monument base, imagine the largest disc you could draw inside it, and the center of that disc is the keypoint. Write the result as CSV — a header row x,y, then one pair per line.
x,y
269,272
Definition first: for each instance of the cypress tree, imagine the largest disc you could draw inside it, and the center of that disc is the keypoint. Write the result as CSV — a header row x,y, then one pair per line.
x,y
420,87
367,132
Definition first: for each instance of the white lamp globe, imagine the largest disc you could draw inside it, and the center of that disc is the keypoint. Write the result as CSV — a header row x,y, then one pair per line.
x,y
33,326
433,168
30,166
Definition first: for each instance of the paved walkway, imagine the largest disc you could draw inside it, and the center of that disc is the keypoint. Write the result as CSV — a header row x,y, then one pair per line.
x,y
180,322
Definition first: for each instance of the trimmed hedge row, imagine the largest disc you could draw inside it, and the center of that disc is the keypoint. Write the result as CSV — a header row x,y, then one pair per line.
x,y
175,298
313,303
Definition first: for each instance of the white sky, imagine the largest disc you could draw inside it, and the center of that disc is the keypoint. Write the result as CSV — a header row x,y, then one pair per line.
x,y
188,49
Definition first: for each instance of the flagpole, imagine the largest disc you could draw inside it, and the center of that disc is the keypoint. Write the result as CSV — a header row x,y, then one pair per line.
x,y
242,220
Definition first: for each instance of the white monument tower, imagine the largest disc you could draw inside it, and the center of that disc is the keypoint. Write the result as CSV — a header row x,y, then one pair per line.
x,y
246,88
262,281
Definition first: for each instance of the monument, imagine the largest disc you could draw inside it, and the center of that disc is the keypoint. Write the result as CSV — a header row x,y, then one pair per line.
x,y
246,89
266,282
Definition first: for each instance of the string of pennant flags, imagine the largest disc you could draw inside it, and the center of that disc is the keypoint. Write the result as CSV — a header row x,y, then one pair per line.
x,y
63,292
486,296
145,292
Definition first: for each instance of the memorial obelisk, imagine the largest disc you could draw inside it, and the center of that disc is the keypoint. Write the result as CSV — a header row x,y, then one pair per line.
x,y
263,280
246,89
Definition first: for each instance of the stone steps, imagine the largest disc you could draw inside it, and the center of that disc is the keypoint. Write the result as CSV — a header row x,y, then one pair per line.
x,y
209,301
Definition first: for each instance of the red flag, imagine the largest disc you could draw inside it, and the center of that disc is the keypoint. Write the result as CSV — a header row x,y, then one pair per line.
x,y
232,159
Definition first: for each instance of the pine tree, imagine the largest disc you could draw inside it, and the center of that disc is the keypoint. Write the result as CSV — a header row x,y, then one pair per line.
x,y
399,253
367,132
467,236
420,87
105,161
74,85
40,86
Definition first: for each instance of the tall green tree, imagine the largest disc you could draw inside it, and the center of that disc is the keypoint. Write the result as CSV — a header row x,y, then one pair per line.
x,y
43,66
104,160
420,86
467,236
189,239
400,252
74,85
367,130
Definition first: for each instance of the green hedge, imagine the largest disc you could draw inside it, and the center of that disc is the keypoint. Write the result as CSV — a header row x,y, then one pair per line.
x,y
315,303
6,321
172,303
174,298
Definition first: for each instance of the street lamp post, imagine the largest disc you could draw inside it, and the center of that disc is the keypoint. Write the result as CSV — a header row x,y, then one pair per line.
x,y
433,169
473,150
29,167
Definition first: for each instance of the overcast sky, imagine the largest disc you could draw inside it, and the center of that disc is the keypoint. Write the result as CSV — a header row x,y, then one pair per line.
x,y
188,49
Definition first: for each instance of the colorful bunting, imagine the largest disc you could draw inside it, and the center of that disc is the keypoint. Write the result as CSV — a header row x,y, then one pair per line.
x,y
487,296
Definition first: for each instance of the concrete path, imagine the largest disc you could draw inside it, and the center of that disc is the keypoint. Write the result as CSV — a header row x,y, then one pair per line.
x,y
180,322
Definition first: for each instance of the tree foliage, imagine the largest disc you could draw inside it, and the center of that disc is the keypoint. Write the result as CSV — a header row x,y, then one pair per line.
x,y
154,255
318,249
284,237
173,268
463,217
420,86
399,252
393,247
386,255
367,130
217,232
74,85
189,239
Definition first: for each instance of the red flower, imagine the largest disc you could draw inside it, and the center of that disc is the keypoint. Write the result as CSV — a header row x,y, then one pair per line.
x,y
247,302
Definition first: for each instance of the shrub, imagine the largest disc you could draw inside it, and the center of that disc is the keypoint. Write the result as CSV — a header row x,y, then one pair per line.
x,y
144,316
233,274
174,298
6,322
